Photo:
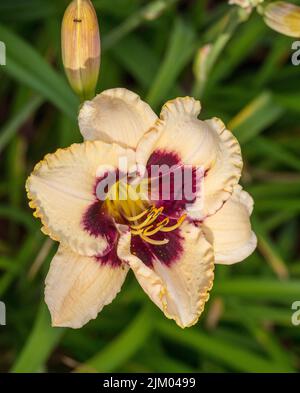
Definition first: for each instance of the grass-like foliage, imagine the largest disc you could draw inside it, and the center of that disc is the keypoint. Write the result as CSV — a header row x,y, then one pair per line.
x,y
151,47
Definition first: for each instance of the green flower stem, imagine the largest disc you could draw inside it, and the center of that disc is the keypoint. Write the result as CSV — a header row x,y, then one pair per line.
x,y
230,23
149,12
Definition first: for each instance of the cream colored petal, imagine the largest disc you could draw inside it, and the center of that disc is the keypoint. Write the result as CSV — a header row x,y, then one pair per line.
x,y
204,144
229,230
182,289
116,115
62,187
77,288
224,174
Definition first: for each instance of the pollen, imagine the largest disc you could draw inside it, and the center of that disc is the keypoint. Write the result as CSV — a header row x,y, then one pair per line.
x,y
124,204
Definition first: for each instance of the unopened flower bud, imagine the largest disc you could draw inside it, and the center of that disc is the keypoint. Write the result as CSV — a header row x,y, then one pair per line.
x,y
201,63
283,17
81,47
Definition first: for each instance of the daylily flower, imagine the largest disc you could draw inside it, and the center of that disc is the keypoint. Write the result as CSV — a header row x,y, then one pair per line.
x,y
170,245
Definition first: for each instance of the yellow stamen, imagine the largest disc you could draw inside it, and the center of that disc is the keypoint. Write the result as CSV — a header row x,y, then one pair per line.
x,y
177,225
125,206
154,242
164,222
146,229
149,231
136,233
152,216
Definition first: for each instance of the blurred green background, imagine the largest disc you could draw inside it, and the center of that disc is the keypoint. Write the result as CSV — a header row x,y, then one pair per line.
x,y
151,47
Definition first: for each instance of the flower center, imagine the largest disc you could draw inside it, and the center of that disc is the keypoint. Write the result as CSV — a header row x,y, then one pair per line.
x,y
125,204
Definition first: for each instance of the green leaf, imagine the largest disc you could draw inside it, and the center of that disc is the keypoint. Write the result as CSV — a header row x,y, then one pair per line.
x,y
150,12
116,353
259,288
39,344
20,10
234,357
179,53
8,131
277,152
269,250
28,67
255,117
